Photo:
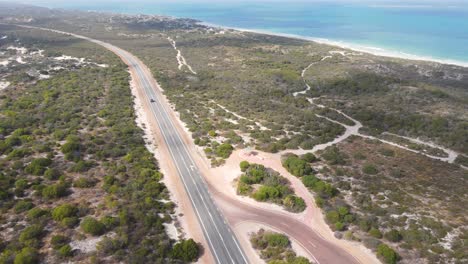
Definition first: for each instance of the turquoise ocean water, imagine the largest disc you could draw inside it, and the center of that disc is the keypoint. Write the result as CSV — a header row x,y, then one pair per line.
x,y
428,29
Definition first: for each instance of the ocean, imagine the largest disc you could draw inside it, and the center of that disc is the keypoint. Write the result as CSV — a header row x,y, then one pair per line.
x,y
428,30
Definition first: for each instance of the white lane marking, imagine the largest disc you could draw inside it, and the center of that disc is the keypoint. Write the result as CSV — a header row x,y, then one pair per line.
x,y
312,244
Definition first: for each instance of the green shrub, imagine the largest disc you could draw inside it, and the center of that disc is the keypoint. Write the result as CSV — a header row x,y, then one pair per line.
x,y
21,184
296,166
365,225
243,188
374,232
319,202
84,182
52,174
266,192
70,222
333,156
309,181
59,241
38,166
62,211
31,232
109,222
387,254
393,236
186,250
339,226
370,169
333,216
224,150
244,165
65,251
276,239
54,191
82,166
212,133
309,157
343,210
27,256
92,226
294,203
70,146
325,190
23,205
36,212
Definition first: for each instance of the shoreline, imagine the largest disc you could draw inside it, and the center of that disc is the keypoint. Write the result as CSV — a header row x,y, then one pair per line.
x,y
376,51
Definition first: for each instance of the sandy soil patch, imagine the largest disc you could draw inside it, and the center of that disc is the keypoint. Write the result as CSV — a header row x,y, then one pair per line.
x,y
4,85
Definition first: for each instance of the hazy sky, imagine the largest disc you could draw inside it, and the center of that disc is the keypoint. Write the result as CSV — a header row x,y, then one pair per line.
x,y
402,2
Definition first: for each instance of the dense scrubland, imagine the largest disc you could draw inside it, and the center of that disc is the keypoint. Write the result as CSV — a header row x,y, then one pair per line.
x,y
77,183
405,206
389,199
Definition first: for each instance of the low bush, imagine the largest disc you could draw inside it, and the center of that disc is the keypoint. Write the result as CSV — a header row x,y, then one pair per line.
x,y
370,169
186,250
393,236
92,226
387,254
62,211
27,255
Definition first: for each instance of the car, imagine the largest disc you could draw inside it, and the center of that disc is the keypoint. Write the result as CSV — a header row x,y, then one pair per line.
x,y
152,100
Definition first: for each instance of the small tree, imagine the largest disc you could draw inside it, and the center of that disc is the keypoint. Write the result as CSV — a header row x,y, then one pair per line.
x,y
309,157
276,239
224,150
186,250
387,254
92,226
244,165
27,256
63,211
375,233
65,251
393,236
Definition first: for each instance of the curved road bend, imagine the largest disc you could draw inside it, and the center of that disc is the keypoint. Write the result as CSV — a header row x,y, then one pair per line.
x,y
224,246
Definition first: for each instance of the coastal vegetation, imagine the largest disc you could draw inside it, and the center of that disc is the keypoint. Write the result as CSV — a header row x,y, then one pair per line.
x,y
379,184
75,166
